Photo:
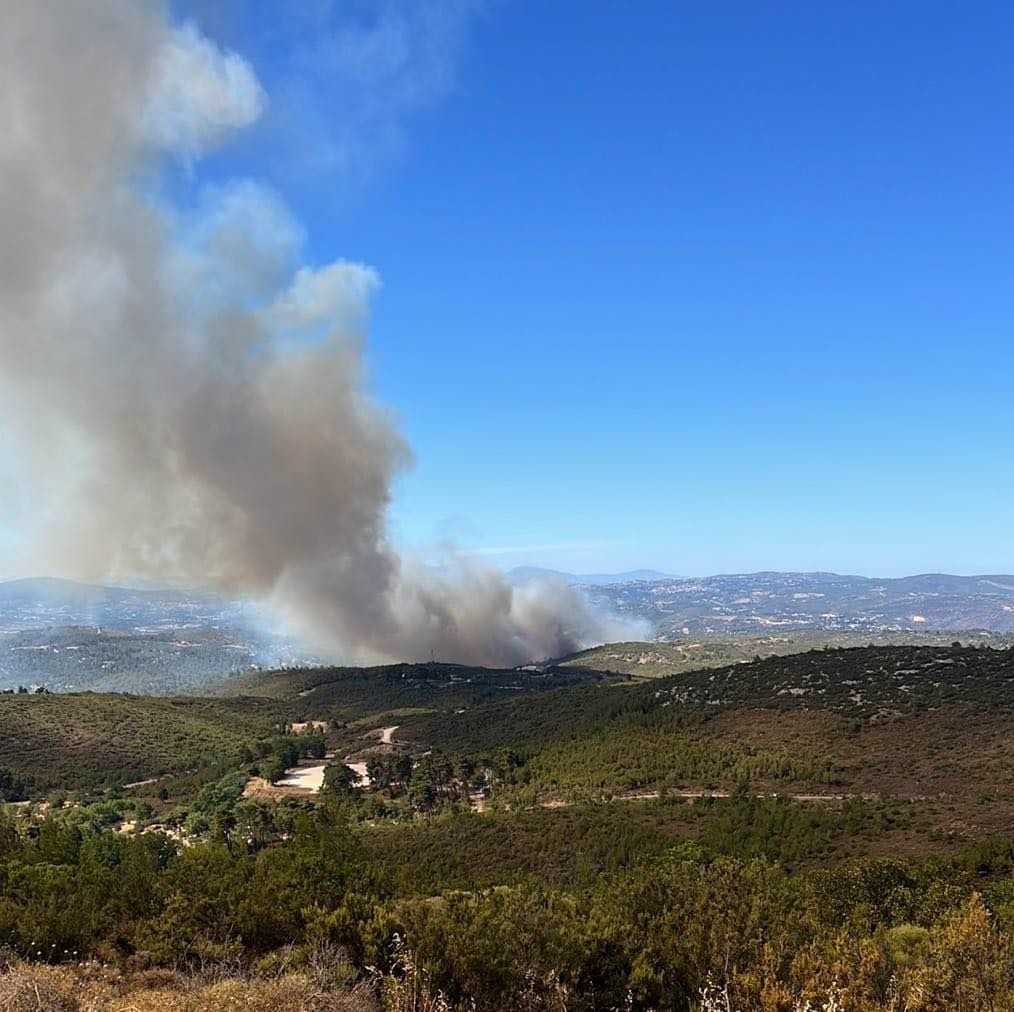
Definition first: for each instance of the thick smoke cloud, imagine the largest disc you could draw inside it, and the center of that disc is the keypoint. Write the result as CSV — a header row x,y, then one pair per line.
x,y
183,399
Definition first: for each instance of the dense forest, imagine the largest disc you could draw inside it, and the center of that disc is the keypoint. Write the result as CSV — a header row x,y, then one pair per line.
x,y
622,922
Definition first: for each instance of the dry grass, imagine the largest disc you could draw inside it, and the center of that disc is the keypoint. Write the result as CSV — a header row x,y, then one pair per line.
x,y
93,988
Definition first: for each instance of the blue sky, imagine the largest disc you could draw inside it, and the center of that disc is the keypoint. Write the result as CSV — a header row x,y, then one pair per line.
x,y
703,287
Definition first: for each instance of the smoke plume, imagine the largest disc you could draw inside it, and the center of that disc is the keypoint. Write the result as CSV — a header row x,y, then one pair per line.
x,y
184,400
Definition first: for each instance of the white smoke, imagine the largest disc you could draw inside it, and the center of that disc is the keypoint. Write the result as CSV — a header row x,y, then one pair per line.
x,y
183,397
198,94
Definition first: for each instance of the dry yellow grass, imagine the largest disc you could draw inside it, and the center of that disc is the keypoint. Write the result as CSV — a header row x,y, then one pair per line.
x,y
31,988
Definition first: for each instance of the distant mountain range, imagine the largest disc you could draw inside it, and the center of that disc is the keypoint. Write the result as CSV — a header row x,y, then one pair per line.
x,y
523,574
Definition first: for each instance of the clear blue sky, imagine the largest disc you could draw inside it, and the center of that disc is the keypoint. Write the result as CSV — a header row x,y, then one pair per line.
x,y
703,287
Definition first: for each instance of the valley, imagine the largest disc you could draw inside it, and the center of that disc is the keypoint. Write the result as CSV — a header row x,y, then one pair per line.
x,y
70,637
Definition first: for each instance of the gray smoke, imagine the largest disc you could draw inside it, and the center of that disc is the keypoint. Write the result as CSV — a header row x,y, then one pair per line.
x,y
182,400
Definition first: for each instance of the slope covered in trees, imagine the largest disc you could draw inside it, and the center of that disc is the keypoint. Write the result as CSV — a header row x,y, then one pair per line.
x,y
538,841
81,740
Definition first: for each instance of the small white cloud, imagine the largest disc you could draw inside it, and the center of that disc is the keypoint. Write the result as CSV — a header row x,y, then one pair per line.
x,y
199,94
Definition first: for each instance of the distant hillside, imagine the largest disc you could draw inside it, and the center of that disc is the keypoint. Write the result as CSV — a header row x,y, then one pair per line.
x,y
43,602
865,683
765,603
163,662
931,725
73,636
351,693
871,682
50,589
690,653
70,636
862,683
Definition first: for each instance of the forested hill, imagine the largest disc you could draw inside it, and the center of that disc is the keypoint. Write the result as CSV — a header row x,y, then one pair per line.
x,y
92,741
460,707
355,691
869,683
928,723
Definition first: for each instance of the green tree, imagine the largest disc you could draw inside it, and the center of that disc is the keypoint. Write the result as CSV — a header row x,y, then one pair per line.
x,y
341,780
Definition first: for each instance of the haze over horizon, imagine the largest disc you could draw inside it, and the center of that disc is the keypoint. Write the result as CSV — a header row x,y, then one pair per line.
x,y
522,573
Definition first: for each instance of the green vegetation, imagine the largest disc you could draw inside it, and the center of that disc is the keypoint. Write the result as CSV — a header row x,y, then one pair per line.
x,y
570,846
88,740
866,682
621,918
679,654
619,760
356,692
832,826
883,721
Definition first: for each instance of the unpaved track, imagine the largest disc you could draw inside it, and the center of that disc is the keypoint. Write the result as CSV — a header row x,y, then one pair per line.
x,y
694,795
305,776
359,767
308,777
360,771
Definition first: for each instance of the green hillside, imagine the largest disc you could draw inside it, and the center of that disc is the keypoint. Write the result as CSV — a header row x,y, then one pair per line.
x,y
349,693
542,840
927,723
79,740
691,653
